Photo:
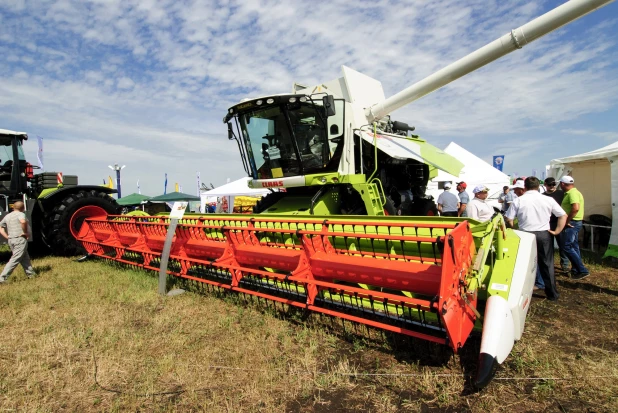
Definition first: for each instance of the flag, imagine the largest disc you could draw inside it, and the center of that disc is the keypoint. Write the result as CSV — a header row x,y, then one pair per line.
x,y
110,183
165,187
498,162
180,188
139,190
198,184
39,154
534,172
176,187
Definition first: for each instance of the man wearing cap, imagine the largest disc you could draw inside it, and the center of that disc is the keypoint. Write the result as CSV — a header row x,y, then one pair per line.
x,y
573,204
533,211
448,203
464,198
506,198
478,209
552,190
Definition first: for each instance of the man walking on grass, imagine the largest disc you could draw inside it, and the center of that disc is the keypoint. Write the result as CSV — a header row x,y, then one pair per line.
x,y
14,227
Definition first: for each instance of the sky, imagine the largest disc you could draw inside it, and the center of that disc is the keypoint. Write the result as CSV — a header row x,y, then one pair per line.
x,y
146,83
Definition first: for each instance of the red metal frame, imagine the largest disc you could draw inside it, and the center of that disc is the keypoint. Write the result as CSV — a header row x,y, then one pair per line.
x,y
301,251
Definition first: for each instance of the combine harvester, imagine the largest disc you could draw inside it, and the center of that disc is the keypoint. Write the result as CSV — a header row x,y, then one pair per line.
x,y
327,244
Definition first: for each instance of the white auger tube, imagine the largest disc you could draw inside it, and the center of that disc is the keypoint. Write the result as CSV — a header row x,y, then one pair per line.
x,y
506,44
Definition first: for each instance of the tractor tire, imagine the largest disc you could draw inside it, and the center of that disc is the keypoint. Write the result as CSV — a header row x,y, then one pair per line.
x,y
57,224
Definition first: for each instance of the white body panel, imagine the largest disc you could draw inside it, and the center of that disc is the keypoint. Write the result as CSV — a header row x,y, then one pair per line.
x,y
504,320
498,329
524,275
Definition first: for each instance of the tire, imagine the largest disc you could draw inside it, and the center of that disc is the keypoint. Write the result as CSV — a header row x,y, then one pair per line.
x,y
57,224
389,208
267,201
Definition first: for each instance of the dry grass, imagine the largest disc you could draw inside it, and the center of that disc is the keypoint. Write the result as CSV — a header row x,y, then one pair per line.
x,y
211,352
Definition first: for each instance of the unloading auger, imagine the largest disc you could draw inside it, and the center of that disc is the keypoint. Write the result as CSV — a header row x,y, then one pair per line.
x,y
327,244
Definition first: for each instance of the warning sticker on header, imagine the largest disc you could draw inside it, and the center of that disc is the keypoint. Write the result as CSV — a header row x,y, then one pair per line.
x,y
499,287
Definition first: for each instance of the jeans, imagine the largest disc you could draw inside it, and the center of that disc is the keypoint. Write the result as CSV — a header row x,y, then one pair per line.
x,y
564,260
570,246
539,278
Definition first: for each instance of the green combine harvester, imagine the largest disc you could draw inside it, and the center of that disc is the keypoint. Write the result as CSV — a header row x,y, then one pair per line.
x,y
352,235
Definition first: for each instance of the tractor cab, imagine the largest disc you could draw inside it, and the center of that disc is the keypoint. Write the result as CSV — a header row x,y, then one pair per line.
x,y
14,170
288,135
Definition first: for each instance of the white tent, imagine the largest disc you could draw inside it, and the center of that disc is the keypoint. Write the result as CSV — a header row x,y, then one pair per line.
x,y
475,172
239,187
595,173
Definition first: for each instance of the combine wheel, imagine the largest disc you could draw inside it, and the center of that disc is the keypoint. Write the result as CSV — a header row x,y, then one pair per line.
x,y
64,221
267,201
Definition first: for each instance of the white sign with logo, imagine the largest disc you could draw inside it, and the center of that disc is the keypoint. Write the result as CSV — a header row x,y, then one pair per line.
x,y
178,209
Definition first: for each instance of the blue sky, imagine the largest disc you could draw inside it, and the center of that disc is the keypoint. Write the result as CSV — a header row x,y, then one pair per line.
x,y
146,83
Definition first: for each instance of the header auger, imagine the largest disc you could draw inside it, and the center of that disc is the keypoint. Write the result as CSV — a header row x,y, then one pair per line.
x,y
326,244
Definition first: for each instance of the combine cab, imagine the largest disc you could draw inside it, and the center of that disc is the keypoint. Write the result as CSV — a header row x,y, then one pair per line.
x,y
350,236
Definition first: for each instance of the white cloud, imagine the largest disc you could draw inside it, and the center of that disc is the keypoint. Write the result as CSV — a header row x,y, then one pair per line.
x,y
154,77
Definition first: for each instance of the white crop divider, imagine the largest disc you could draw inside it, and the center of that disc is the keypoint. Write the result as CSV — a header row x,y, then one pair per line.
x,y
178,210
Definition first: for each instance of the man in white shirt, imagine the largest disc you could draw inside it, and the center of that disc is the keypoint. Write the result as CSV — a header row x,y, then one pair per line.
x,y
478,209
533,211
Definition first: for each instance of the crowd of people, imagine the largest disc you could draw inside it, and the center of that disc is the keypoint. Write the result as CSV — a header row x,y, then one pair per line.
x,y
552,211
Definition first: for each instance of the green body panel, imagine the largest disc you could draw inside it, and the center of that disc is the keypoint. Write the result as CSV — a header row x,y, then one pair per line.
x,y
46,192
438,159
333,178
612,251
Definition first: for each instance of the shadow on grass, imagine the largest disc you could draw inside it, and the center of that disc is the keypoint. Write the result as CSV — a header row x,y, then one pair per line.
x,y
571,285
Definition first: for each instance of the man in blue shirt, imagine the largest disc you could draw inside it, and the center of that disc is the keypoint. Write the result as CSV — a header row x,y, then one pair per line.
x,y
464,198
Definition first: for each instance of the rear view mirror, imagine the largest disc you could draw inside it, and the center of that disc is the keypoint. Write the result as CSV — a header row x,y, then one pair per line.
x,y
334,129
230,132
329,105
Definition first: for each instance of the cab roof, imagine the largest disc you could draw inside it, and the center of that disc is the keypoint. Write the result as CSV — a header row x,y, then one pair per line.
x,y
11,132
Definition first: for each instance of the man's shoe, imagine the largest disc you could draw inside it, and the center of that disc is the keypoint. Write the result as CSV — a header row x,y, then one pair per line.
x,y
536,287
565,269
579,275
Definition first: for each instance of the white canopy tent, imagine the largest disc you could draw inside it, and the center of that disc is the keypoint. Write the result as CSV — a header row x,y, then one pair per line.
x,y
596,177
475,172
239,187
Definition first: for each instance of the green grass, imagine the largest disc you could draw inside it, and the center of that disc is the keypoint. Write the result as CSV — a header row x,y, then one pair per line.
x,y
213,352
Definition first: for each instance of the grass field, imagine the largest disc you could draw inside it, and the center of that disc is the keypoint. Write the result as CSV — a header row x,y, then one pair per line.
x,y
94,337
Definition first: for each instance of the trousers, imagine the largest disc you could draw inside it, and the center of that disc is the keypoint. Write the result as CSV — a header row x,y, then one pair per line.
x,y
545,257
19,247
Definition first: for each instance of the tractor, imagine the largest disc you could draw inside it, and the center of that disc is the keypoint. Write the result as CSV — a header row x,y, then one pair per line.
x,y
55,204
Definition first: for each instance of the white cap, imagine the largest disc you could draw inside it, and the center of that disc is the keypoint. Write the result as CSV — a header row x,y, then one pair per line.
x,y
518,184
567,180
480,188
447,185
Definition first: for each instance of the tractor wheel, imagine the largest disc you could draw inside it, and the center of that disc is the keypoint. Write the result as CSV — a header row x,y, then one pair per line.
x,y
68,216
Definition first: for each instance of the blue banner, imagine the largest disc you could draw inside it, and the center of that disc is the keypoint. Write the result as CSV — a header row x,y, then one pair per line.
x,y
165,188
498,162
